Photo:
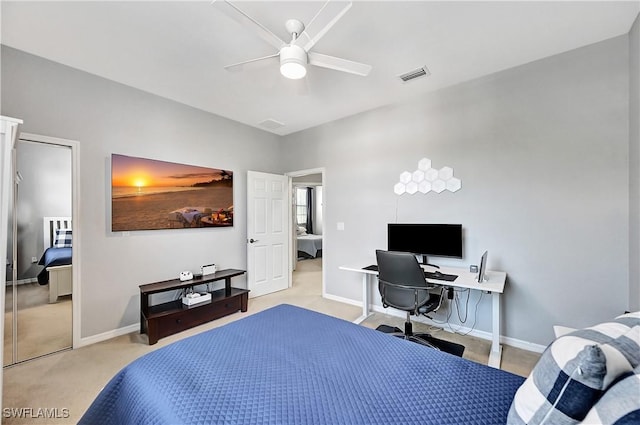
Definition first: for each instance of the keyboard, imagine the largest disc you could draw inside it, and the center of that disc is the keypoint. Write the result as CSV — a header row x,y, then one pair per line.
x,y
440,276
428,275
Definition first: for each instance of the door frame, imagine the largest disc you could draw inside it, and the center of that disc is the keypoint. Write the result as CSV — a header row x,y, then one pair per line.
x,y
76,225
301,173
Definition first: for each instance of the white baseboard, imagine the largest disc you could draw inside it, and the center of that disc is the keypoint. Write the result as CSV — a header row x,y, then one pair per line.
x,y
343,300
512,342
525,345
108,335
23,281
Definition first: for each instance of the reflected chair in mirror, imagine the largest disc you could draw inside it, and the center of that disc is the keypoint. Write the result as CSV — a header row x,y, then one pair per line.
x,y
403,286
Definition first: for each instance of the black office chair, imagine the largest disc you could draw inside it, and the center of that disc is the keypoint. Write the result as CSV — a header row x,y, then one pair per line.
x,y
402,285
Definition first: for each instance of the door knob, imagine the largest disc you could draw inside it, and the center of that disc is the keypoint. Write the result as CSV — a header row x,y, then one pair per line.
x,y
253,240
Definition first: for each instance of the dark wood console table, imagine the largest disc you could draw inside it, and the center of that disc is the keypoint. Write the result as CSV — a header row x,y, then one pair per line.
x,y
159,321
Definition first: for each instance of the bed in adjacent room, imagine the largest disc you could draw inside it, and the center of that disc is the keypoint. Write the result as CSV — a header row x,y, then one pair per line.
x,y
309,245
288,365
57,257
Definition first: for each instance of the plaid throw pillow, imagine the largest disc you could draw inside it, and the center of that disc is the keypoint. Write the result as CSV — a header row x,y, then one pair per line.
x,y
620,405
575,371
63,238
629,319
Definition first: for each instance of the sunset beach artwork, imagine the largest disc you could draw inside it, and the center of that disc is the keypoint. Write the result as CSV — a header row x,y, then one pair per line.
x,y
148,194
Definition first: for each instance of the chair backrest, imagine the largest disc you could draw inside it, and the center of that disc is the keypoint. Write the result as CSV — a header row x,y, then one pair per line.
x,y
401,268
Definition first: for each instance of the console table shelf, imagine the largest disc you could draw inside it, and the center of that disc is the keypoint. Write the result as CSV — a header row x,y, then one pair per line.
x,y
159,321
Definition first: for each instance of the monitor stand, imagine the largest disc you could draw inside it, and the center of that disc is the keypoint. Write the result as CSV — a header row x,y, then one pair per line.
x,y
424,262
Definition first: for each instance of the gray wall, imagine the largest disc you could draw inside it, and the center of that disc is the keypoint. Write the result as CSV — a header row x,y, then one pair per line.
x,y
45,191
105,118
634,166
542,152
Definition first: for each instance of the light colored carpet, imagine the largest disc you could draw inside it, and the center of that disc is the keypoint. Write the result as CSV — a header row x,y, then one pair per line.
x,y
43,328
72,379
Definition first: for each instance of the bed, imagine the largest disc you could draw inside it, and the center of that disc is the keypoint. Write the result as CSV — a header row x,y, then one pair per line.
x,y
310,245
56,260
289,365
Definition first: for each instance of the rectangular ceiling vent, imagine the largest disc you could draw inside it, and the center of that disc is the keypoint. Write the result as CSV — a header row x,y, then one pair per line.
x,y
416,73
271,124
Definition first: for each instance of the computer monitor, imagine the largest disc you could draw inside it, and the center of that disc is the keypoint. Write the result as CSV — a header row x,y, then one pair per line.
x,y
483,268
441,240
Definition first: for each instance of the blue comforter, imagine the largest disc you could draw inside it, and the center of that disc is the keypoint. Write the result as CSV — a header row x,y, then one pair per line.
x,y
288,365
53,257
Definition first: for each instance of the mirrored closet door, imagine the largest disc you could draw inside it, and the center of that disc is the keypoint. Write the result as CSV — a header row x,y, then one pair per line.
x,y
38,306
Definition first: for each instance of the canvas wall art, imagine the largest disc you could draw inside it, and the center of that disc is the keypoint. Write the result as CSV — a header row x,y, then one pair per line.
x,y
148,194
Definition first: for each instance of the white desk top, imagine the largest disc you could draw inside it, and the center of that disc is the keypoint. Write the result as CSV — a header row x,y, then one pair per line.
x,y
495,280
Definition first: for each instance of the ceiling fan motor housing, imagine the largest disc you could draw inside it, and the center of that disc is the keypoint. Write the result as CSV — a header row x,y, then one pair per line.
x,y
294,27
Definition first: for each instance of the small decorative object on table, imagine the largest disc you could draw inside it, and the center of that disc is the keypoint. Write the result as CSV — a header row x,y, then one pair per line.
x,y
209,269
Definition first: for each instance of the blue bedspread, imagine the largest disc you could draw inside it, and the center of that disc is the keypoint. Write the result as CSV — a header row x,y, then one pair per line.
x,y
288,365
53,257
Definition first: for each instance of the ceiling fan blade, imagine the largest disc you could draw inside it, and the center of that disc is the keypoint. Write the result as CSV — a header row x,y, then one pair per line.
x,y
326,17
238,66
238,15
332,62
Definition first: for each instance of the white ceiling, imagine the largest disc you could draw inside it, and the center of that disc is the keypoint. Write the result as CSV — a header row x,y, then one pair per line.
x,y
178,49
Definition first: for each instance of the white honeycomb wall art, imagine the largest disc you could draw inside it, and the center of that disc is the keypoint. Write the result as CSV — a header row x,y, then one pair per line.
x,y
427,179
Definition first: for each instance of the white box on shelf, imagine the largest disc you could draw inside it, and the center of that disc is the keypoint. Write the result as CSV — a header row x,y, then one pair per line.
x,y
191,300
208,269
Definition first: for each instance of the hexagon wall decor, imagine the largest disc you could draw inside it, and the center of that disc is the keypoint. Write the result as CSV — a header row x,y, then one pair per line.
x,y
399,188
405,177
427,179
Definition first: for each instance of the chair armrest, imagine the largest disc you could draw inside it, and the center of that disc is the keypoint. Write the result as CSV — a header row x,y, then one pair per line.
x,y
424,288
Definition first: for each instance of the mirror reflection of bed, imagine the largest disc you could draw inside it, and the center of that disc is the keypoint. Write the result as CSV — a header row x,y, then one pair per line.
x,y
56,259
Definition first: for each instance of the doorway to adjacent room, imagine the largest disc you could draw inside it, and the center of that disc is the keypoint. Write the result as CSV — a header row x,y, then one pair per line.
x,y
307,224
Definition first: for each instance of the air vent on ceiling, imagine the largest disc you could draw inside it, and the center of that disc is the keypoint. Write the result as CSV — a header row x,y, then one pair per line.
x,y
416,73
271,124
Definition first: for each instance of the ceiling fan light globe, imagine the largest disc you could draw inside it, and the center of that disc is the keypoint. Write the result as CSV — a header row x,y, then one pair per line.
x,y
293,70
293,62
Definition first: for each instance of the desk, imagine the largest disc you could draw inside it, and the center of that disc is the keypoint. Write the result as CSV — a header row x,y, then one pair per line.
x,y
466,280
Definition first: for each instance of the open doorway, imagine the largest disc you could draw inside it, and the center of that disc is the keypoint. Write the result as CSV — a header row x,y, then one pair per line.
x,y
307,224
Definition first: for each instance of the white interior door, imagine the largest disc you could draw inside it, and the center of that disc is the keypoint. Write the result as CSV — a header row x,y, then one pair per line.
x,y
267,233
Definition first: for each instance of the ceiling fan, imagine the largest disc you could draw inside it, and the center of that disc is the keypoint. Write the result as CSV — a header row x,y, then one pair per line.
x,y
295,55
